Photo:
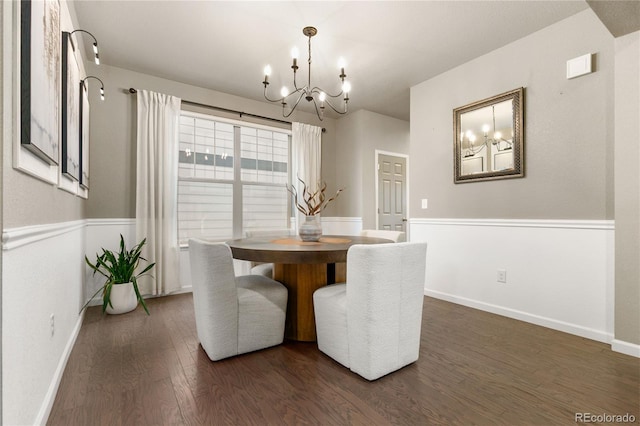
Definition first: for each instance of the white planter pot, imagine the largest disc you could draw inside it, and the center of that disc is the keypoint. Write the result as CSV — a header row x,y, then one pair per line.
x,y
123,299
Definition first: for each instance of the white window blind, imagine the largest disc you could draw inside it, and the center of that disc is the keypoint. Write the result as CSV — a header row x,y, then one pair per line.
x,y
211,178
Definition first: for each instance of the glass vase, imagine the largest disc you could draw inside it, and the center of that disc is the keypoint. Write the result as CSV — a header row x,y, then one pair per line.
x,y
311,229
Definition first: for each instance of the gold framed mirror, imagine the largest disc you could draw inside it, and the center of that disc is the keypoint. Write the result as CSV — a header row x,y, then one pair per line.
x,y
488,138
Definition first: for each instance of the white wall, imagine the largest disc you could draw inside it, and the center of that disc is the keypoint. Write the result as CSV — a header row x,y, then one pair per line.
x,y
627,190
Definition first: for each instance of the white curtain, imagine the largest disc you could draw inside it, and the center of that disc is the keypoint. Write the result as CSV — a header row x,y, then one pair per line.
x,y
306,147
157,189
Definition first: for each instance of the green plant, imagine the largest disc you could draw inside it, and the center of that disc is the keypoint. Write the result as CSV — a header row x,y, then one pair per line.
x,y
314,202
119,268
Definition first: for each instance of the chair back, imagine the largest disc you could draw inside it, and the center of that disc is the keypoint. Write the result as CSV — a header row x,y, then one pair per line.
x,y
395,236
215,297
385,293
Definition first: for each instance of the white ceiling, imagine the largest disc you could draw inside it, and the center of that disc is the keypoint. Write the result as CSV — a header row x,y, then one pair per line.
x,y
389,46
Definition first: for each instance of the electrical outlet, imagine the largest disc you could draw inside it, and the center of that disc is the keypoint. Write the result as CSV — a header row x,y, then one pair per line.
x,y
52,324
502,276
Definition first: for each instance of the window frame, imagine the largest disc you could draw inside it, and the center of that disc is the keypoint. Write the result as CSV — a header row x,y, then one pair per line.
x,y
237,183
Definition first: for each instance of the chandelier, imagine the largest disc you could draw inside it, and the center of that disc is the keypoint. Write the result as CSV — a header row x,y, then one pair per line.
x,y
319,97
497,140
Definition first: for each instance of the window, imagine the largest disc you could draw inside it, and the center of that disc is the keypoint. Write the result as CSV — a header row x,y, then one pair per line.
x,y
231,178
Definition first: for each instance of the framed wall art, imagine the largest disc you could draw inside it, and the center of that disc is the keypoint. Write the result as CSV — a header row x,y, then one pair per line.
x,y
40,78
70,109
84,136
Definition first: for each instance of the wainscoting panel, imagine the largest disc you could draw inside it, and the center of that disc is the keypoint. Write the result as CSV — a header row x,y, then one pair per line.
x,y
42,294
559,274
341,225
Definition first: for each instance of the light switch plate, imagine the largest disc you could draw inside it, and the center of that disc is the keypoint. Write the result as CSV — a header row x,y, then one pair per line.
x,y
425,203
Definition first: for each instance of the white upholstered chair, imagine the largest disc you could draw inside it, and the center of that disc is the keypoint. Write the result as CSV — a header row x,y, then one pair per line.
x,y
372,323
234,315
395,236
265,269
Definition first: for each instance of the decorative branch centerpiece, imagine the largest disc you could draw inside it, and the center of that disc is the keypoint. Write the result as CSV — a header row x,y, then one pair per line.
x,y
311,203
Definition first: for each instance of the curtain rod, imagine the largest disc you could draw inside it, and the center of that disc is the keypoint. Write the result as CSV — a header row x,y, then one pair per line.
x,y
231,111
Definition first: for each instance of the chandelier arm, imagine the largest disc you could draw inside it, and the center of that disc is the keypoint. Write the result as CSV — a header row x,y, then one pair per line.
x,y
294,105
508,147
346,109
474,151
318,90
281,98
302,90
320,114
268,98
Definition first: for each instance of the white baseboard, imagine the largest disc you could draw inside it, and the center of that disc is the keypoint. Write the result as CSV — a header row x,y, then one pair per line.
x,y
47,404
523,316
625,348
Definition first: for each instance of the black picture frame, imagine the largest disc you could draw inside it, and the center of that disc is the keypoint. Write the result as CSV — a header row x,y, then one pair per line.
x,y
40,74
84,136
70,109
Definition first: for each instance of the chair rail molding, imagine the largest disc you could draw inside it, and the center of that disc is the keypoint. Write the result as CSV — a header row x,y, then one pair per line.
x,y
18,237
520,223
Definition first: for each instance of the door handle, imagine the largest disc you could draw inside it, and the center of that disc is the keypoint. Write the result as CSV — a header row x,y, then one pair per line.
x,y
404,219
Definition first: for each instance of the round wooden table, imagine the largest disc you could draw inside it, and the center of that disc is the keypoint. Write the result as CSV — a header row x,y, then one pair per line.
x,y
303,267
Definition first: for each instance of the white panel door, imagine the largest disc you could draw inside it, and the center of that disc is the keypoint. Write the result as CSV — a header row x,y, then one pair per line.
x,y
392,203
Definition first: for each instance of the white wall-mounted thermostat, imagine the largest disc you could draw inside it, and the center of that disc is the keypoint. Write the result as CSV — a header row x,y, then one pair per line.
x,y
579,66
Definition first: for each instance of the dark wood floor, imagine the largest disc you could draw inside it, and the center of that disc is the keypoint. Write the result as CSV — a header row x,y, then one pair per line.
x,y
474,368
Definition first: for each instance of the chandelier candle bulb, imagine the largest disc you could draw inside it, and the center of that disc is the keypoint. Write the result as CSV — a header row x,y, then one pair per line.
x,y
267,73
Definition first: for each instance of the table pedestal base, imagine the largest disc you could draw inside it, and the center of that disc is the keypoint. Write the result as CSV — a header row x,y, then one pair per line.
x,y
302,280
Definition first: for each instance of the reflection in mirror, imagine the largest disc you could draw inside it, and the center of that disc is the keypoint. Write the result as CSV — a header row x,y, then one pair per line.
x,y
488,138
